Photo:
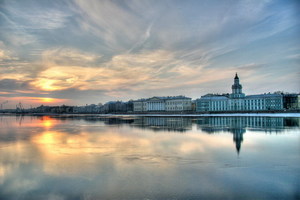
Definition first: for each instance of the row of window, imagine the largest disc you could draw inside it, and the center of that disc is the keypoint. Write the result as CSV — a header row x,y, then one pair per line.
x,y
178,103
247,122
179,108
255,104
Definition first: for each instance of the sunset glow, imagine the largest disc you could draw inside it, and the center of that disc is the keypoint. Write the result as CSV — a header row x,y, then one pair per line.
x,y
82,52
48,100
45,100
46,84
33,101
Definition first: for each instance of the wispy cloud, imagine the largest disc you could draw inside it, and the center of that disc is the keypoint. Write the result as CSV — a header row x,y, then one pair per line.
x,y
5,54
117,27
39,16
69,57
129,49
294,56
122,71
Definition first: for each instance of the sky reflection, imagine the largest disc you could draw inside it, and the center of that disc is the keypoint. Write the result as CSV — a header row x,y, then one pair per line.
x,y
146,158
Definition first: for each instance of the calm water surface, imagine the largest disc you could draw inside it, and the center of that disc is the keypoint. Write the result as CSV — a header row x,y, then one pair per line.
x,y
94,157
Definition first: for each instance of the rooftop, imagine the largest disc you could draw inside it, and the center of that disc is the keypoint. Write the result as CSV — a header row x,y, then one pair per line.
x,y
165,98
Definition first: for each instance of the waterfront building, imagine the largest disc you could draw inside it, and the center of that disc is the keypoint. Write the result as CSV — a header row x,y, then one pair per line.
x,y
179,103
156,104
159,104
238,101
139,105
291,101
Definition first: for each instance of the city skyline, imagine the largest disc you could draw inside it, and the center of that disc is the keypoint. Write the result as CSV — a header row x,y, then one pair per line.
x,y
79,52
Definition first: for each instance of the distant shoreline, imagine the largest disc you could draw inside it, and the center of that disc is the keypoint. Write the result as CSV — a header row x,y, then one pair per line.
x,y
160,115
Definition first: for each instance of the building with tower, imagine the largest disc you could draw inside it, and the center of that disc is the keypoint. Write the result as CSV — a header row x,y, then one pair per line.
x,y
238,101
237,88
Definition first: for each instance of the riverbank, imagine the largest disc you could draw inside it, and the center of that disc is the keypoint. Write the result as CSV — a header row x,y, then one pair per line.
x,y
162,115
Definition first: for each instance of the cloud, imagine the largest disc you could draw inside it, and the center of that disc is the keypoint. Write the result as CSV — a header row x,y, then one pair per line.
x,y
13,67
68,56
133,49
121,72
59,78
13,84
293,57
39,17
14,34
108,20
148,70
5,54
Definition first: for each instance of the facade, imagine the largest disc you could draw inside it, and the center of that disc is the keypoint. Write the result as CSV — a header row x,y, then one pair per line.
x,y
179,103
238,101
139,105
156,104
291,101
159,104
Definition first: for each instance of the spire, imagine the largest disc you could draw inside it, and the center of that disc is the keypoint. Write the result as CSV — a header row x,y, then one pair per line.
x,y
236,76
237,88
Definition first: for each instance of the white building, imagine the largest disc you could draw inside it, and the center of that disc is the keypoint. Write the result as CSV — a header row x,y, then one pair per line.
x,y
170,104
179,103
237,101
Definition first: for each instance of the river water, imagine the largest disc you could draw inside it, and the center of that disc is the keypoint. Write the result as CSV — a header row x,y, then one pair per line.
x,y
128,158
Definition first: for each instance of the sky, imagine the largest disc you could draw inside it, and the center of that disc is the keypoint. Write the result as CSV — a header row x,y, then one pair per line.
x,y
78,52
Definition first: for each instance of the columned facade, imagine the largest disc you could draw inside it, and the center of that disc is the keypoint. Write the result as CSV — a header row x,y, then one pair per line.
x,y
170,104
155,104
237,101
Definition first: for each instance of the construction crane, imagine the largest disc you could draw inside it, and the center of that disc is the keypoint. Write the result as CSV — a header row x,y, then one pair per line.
x,y
1,105
19,107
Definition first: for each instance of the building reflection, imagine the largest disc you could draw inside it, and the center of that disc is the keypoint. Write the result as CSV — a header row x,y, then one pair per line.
x,y
95,155
211,125
238,138
238,126
177,124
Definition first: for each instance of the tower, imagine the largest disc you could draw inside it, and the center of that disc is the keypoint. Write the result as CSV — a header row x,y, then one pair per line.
x,y
237,88
238,138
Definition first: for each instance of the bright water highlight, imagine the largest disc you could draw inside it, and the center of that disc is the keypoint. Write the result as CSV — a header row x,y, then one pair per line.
x,y
96,157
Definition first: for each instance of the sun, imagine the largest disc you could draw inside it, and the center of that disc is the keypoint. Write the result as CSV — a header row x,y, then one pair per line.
x,y
47,100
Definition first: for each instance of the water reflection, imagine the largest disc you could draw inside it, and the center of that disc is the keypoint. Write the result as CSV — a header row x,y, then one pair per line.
x,y
96,157
237,126
171,124
211,125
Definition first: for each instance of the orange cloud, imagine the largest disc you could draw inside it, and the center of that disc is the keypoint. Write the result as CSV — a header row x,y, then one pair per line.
x,y
43,99
33,101
63,71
